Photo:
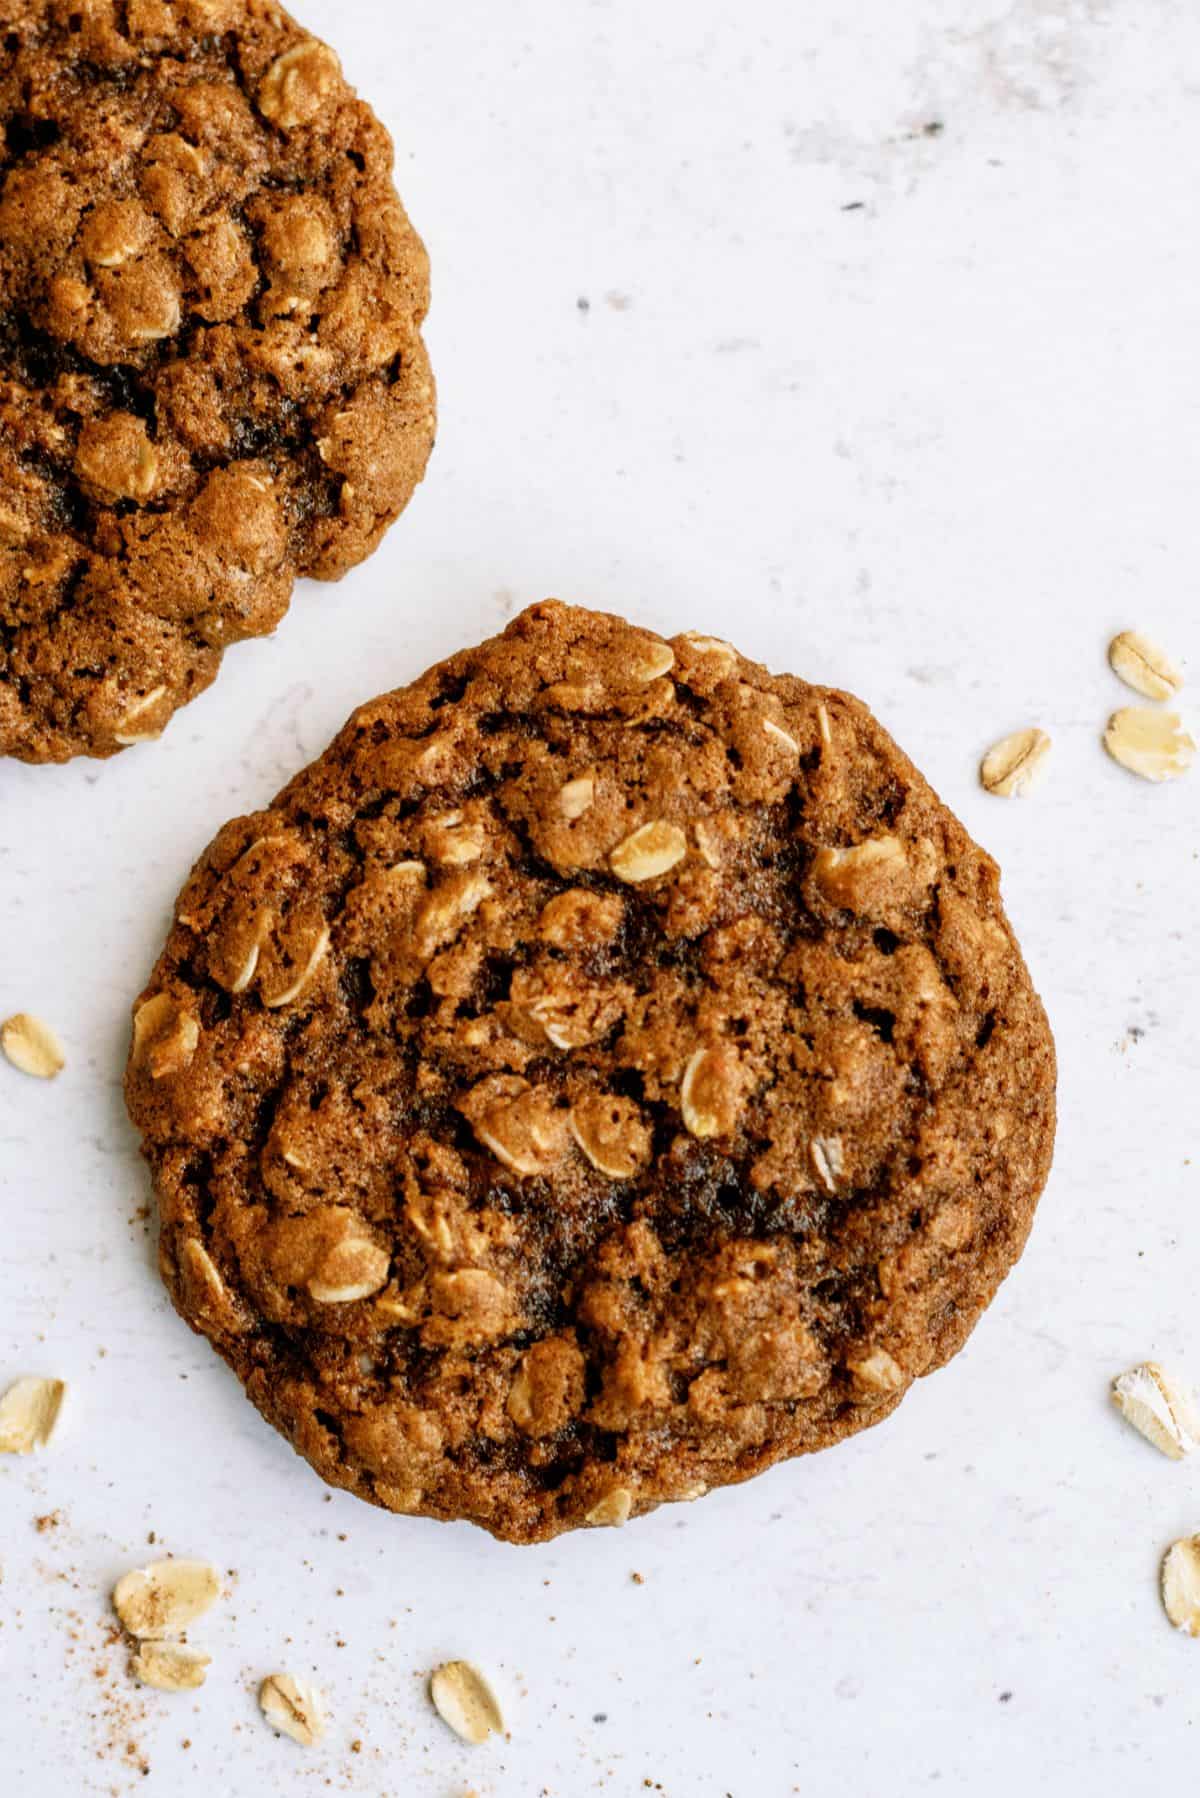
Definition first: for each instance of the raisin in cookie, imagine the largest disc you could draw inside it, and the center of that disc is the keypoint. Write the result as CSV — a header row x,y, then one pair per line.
x,y
211,371
606,1071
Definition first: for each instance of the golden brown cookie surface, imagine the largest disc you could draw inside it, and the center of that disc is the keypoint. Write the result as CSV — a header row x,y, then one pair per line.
x,y
212,377
606,1071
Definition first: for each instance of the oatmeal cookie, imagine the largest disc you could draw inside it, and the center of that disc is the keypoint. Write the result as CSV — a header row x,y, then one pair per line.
x,y
606,1071
212,377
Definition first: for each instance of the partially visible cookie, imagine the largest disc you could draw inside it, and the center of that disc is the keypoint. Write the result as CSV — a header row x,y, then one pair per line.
x,y
606,1071
212,377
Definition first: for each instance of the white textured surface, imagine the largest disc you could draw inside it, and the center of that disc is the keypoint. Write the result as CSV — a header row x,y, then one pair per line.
x,y
935,449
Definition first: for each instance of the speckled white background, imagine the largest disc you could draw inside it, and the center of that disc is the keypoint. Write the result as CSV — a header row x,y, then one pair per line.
x,y
726,337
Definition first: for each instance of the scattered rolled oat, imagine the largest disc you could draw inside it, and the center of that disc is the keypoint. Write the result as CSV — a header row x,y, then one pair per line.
x,y
170,1666
293,1707
1162,1410
1013,766
29,1413
1152,744
1181,1584
1142,665
464,1700
165,1598
32,1046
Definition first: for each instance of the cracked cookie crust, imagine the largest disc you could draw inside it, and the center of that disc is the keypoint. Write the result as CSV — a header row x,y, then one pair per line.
x,y
606,1071
212,377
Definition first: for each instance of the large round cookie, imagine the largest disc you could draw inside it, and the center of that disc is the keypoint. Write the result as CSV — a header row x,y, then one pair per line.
x,y
211,371
606,1071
